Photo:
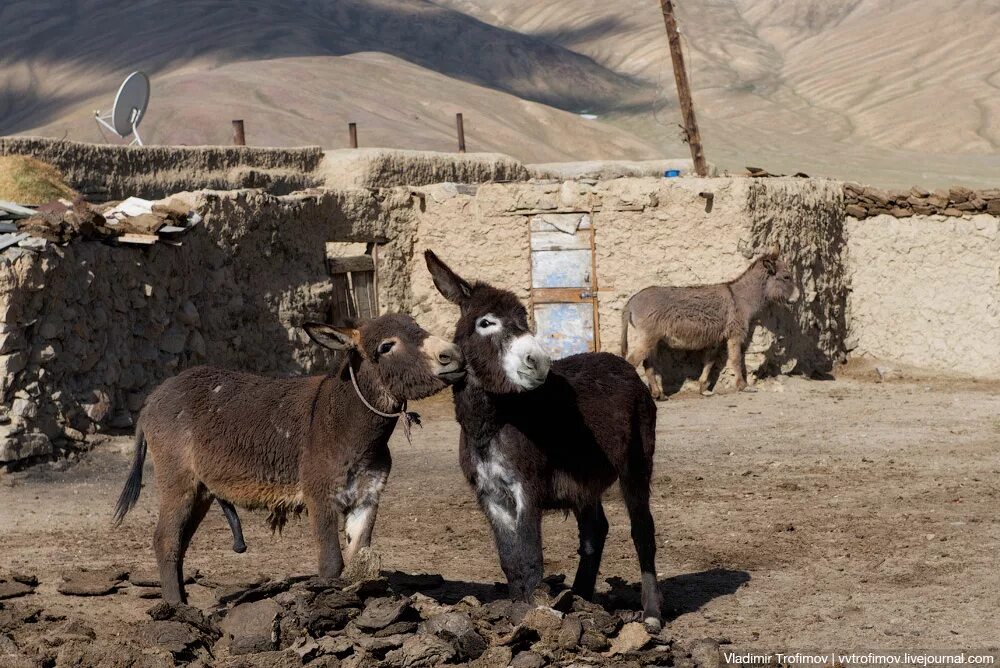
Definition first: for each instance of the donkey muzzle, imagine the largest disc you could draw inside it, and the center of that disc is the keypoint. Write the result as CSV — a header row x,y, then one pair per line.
x,y
526,363
445,359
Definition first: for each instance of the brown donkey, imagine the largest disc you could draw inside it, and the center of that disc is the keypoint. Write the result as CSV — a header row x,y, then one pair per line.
x,y
539,435
317,443
703,317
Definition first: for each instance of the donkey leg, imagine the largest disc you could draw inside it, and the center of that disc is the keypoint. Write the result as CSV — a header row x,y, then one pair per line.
x,y
635,490
707,362
359,525
517,530
326,528
735,364
181,511
593,526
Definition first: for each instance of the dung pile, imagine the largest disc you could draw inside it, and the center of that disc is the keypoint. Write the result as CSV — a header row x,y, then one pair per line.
x,y
864,201
393,621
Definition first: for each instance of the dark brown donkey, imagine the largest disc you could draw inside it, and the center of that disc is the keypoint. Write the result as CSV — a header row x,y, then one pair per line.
x,y
538,435
317,443
704,317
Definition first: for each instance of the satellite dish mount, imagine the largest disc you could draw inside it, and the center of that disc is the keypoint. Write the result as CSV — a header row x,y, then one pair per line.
x,y
129,108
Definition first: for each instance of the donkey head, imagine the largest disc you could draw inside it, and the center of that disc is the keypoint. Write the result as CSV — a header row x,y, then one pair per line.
x,y
492,332
406,361
778,283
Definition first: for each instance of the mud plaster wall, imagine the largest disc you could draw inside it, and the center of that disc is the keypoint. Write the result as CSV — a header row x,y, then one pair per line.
x,y
105,172
925,291
654,231
88,330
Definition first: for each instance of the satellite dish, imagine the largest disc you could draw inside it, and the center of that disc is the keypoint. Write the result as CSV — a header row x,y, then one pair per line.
x,y
129,108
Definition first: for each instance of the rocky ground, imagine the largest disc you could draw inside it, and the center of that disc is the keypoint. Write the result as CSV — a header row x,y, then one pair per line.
x,y
840,515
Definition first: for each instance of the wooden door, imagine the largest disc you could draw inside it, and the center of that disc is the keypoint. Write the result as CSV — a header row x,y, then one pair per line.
x,y
563,283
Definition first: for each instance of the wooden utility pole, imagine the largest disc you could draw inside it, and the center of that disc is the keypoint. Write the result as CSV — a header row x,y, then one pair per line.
x,y
460,127
352,132
683,89
239,135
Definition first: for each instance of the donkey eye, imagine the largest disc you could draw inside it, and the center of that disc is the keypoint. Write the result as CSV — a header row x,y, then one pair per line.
x,y
485,323
385,347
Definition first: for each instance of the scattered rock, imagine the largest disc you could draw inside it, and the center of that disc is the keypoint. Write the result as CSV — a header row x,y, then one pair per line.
x,y
631,638
527,659
381,612
706,653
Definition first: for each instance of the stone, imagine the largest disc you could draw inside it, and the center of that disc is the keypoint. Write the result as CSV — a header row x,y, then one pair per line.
x,y
456,628
527,659
173,341
937,201
959,194
917,191
877,196
421,650
900,212
24,408
24,446
381,612
188,315
99,407
13,363
252,627
631,638
952,211
993,206
196,344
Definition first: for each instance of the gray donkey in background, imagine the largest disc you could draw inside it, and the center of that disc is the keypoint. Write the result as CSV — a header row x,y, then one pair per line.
x,y
703,317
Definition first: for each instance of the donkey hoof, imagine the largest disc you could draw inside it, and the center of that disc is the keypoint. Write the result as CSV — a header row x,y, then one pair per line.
x,y
653,624
749,389
708,393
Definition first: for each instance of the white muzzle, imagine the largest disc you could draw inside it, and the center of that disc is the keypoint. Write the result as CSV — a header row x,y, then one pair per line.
x,y
526,363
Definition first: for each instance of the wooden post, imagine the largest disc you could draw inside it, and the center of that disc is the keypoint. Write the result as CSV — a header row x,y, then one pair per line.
x,y
352,128
461,133
683,89
239,137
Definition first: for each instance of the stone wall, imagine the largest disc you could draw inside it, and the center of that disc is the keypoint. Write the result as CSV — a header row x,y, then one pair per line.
x,y
925,291
110,172
89,329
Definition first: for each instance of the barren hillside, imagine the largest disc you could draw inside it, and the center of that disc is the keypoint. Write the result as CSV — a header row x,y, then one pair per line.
x,y
889,91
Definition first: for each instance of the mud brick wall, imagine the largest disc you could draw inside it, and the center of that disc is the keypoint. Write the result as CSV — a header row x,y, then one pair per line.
x,y
87,330
925,291
653,231
109,172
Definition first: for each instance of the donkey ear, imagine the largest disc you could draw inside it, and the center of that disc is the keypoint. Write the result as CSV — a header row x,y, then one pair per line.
x,y
774,250
454,288
334,338
769,264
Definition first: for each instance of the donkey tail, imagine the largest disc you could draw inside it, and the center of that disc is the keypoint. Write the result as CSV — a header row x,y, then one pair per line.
x,y
133,485
626,319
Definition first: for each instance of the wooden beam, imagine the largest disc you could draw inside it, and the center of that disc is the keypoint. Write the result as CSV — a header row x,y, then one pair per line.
x,y
683,89
343,265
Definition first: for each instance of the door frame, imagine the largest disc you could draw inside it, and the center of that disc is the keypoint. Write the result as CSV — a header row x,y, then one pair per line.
x,y
568,295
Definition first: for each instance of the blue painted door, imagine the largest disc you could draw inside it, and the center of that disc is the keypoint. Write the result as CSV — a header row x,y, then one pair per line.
x,y
563,285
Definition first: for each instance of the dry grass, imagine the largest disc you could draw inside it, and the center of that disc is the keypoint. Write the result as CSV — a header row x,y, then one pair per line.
x,y
25,180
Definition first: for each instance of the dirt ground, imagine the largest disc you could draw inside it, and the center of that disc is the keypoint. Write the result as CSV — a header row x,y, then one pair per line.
x,y
841,514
